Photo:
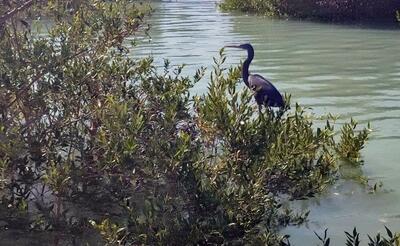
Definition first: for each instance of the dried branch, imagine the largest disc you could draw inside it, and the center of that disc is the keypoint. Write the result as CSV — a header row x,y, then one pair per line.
x,y
13,12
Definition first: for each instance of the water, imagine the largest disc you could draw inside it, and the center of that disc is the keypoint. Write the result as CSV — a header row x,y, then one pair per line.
x,y
350,70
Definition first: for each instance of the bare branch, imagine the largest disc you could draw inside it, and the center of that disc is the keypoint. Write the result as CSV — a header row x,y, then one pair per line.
x,y
13,12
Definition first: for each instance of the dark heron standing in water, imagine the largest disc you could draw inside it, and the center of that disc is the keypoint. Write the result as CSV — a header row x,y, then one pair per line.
x,y
264,91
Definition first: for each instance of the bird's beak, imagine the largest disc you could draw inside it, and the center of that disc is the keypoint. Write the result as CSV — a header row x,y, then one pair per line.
x,y
232,46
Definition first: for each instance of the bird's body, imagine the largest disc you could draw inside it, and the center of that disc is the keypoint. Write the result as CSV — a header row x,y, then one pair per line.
x,y
265,92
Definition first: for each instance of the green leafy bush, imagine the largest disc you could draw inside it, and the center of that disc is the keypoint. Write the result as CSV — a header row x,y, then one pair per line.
x,y
352,143
264,7
95,141
353,238
332,10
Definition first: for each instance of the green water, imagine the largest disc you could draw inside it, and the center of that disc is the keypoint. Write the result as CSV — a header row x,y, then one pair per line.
x,y
350,70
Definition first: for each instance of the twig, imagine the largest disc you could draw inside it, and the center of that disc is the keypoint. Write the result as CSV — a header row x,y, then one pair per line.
x,y
13,12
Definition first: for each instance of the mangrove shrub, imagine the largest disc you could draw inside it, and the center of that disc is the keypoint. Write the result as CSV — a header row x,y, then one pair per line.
x,y
95,142
331,10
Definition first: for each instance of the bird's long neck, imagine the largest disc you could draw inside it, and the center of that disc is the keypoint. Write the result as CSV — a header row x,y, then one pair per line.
x,y
246,65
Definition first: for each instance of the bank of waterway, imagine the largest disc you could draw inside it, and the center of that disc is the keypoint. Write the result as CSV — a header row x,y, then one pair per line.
x,y
349,70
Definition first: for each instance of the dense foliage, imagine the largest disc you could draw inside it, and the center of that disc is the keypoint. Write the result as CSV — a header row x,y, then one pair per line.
x,y
336,10
94,141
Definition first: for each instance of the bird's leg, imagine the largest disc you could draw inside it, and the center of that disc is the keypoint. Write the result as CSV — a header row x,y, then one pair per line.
x,y
279,114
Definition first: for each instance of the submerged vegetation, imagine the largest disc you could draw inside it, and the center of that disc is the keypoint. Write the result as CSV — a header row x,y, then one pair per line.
x,y
332,10
95,141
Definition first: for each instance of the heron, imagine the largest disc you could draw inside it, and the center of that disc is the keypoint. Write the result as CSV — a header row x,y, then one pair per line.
x,y
265,92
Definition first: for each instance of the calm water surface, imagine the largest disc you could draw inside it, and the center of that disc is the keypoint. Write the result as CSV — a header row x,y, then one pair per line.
x,y
350,70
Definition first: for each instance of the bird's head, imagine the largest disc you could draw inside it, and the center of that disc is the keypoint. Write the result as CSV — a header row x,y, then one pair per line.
x,y
246,46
